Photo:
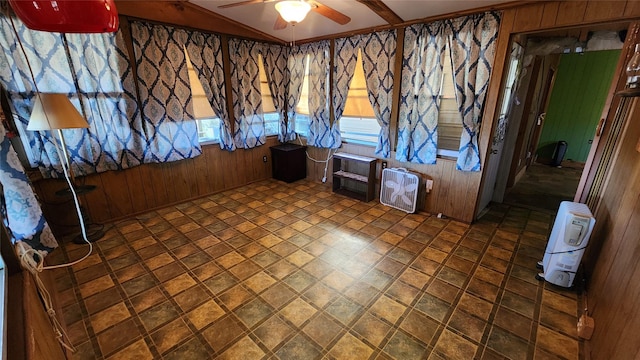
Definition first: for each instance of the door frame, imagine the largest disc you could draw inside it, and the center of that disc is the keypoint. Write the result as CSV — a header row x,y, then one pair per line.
x,y
595,163
537,129
609,110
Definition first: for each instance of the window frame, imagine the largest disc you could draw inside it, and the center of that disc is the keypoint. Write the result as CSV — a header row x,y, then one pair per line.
x,y
359,79
197,93
302,118
269,117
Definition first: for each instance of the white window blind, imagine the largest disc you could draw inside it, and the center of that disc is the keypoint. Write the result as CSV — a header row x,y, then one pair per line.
x,y
449,119
358,123
268,109
207,121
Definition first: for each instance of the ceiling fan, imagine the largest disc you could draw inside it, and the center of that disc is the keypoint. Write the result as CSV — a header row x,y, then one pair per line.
x,y
317,7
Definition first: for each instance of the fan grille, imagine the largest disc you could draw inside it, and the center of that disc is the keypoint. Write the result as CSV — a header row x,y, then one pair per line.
x,y
399,189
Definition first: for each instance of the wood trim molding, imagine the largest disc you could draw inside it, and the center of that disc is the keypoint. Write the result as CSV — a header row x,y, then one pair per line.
x,y
397,81
609,112
503,6
188,15
381,9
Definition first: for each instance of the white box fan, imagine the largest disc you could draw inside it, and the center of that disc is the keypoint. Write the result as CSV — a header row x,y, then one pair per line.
x,y
399,189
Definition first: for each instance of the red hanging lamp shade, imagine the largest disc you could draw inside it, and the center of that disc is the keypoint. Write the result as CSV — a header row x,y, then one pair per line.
x,y
68,16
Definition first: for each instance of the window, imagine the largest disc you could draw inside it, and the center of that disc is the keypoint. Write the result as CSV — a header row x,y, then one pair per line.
x,y
271,125
358,123
449,120
302,108
207,121
511,79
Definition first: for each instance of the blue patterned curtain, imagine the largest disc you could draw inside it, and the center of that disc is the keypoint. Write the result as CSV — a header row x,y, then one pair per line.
x,y
344,66
45,52
106,85
378,57
20,209
165,92
104,93
205,52
321,133
275,64
421,81
472,41
247,99
295,66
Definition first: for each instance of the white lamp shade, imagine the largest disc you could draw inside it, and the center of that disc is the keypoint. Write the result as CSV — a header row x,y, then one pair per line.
x,y
293,11
55,111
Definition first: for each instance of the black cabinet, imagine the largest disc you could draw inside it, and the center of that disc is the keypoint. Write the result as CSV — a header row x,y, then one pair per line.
x,y
289,162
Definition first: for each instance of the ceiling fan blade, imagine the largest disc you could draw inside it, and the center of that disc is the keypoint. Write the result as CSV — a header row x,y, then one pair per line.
x,y
246,2
330,13
280,23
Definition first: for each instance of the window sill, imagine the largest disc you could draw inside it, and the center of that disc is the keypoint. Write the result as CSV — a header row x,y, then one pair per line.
x,y
361,143
447,154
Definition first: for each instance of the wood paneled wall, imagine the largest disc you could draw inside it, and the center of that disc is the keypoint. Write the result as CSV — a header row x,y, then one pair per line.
x,y
123,193
612,258
611,263
455,193
452,192
614,290
186,14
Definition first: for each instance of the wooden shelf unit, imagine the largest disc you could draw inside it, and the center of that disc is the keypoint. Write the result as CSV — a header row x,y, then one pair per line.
x,y
340,176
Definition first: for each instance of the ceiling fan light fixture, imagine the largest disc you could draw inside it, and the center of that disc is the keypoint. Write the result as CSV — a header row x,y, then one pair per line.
x,y
293,11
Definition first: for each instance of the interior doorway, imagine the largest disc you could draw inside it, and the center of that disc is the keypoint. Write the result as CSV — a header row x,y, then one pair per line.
x,y
526,177
544,187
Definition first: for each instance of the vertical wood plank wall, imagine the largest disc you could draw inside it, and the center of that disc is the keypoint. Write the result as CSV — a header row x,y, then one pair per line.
x,y
455,193
123,193
614,290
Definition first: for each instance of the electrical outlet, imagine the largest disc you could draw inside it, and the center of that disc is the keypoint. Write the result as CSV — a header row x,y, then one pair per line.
x,y
264,158
384,164
429,185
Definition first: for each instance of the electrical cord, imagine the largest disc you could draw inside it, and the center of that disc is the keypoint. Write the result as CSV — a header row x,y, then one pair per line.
x,y
30,259
326,162
65,170
567,251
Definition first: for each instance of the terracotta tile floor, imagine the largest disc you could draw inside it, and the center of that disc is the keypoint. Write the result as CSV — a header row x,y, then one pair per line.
x,y
292,271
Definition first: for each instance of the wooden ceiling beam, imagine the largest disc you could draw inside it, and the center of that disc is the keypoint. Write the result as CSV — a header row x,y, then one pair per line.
x,y
382,10
501,6
188,15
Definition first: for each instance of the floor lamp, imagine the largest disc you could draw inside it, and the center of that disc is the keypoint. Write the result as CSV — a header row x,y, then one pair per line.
x,y
55,112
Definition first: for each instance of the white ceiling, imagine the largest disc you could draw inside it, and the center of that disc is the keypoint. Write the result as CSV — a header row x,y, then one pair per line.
x,y
262,16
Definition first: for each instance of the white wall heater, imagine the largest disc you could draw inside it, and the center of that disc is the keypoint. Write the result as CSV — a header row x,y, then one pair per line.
x,y
569,238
